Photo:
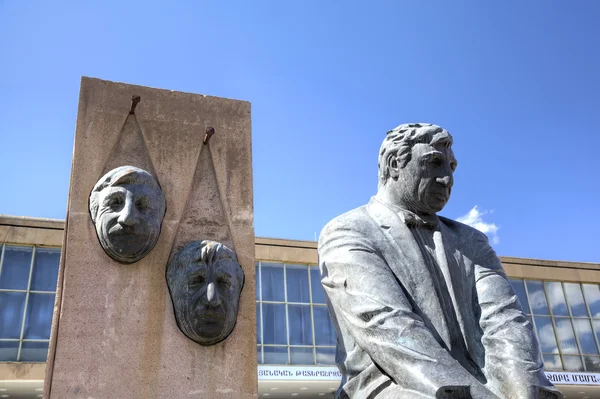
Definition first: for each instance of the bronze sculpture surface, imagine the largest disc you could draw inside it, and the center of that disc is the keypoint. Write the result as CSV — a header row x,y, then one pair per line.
x,y
205,281
127,207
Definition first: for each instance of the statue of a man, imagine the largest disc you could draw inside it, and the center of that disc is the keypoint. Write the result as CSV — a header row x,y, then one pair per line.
x,y
421,304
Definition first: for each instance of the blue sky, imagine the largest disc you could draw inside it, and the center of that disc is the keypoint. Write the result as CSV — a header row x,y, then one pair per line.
x,y
516,83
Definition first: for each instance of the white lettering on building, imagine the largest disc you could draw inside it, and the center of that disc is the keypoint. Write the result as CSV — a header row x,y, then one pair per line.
x,y
333,374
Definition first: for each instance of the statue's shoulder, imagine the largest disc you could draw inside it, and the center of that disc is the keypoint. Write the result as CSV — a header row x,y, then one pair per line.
x,y
356,220
354,230
352,218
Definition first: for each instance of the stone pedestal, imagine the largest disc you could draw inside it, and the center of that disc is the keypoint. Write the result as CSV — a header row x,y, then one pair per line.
x,y
114,333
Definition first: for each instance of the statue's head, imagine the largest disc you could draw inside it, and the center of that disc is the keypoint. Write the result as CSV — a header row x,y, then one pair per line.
x,y
205,281
416,164
127,207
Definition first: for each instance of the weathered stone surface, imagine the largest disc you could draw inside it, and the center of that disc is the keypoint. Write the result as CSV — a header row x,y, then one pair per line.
x,y
114,332
421,304
127,207
205,281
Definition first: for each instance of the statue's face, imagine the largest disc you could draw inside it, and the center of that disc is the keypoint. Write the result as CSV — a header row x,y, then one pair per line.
x,y
128,219
205,294
425,182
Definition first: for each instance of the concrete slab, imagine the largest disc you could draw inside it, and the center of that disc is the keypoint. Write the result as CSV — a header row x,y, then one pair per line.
x,y
114,333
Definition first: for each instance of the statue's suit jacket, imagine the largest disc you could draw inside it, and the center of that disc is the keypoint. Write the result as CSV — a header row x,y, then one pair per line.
x,y
393,337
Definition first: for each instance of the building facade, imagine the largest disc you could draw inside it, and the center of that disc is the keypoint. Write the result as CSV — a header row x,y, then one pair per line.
x,y
295,335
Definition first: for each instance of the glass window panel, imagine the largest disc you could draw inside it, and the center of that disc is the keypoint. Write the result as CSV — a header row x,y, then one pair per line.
x,y
592,297
12,305
39,316
257,276
537,298
326,356
596,326
572,363
557,299
519,288
275,354
274,325
324,330
45,269
318,295
546,335
299,322
15,267
302,356
566,336
259,354
552,362
272,282
575,299
592,363
585,335
34,352
9,351
297,283
258,319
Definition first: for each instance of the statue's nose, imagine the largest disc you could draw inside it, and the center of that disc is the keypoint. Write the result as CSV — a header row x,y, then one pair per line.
x,y
127,215
211,295
446,181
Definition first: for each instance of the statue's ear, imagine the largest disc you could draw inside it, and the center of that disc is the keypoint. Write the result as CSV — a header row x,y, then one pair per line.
x,y
393,166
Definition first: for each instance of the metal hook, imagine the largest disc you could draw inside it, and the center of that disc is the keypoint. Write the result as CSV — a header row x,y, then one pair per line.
x,y
209,133
134,102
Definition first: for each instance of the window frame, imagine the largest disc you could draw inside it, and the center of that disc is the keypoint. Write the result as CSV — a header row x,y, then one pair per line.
x,y
260,317
28,291
554,318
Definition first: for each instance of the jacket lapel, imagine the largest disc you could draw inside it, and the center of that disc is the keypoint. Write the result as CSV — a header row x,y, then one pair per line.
x,y
404,257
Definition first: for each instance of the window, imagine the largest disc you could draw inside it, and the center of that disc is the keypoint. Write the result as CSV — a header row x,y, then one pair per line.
x,y
28,277
293,323
566,317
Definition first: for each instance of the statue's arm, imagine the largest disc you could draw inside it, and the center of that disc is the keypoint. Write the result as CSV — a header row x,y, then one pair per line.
x,y
368,303
513,365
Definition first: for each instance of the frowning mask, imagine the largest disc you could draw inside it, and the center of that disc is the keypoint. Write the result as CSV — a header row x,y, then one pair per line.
x,y
205,281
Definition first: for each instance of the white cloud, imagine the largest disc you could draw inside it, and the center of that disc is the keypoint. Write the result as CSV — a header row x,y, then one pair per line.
x,y
537,300
475,219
